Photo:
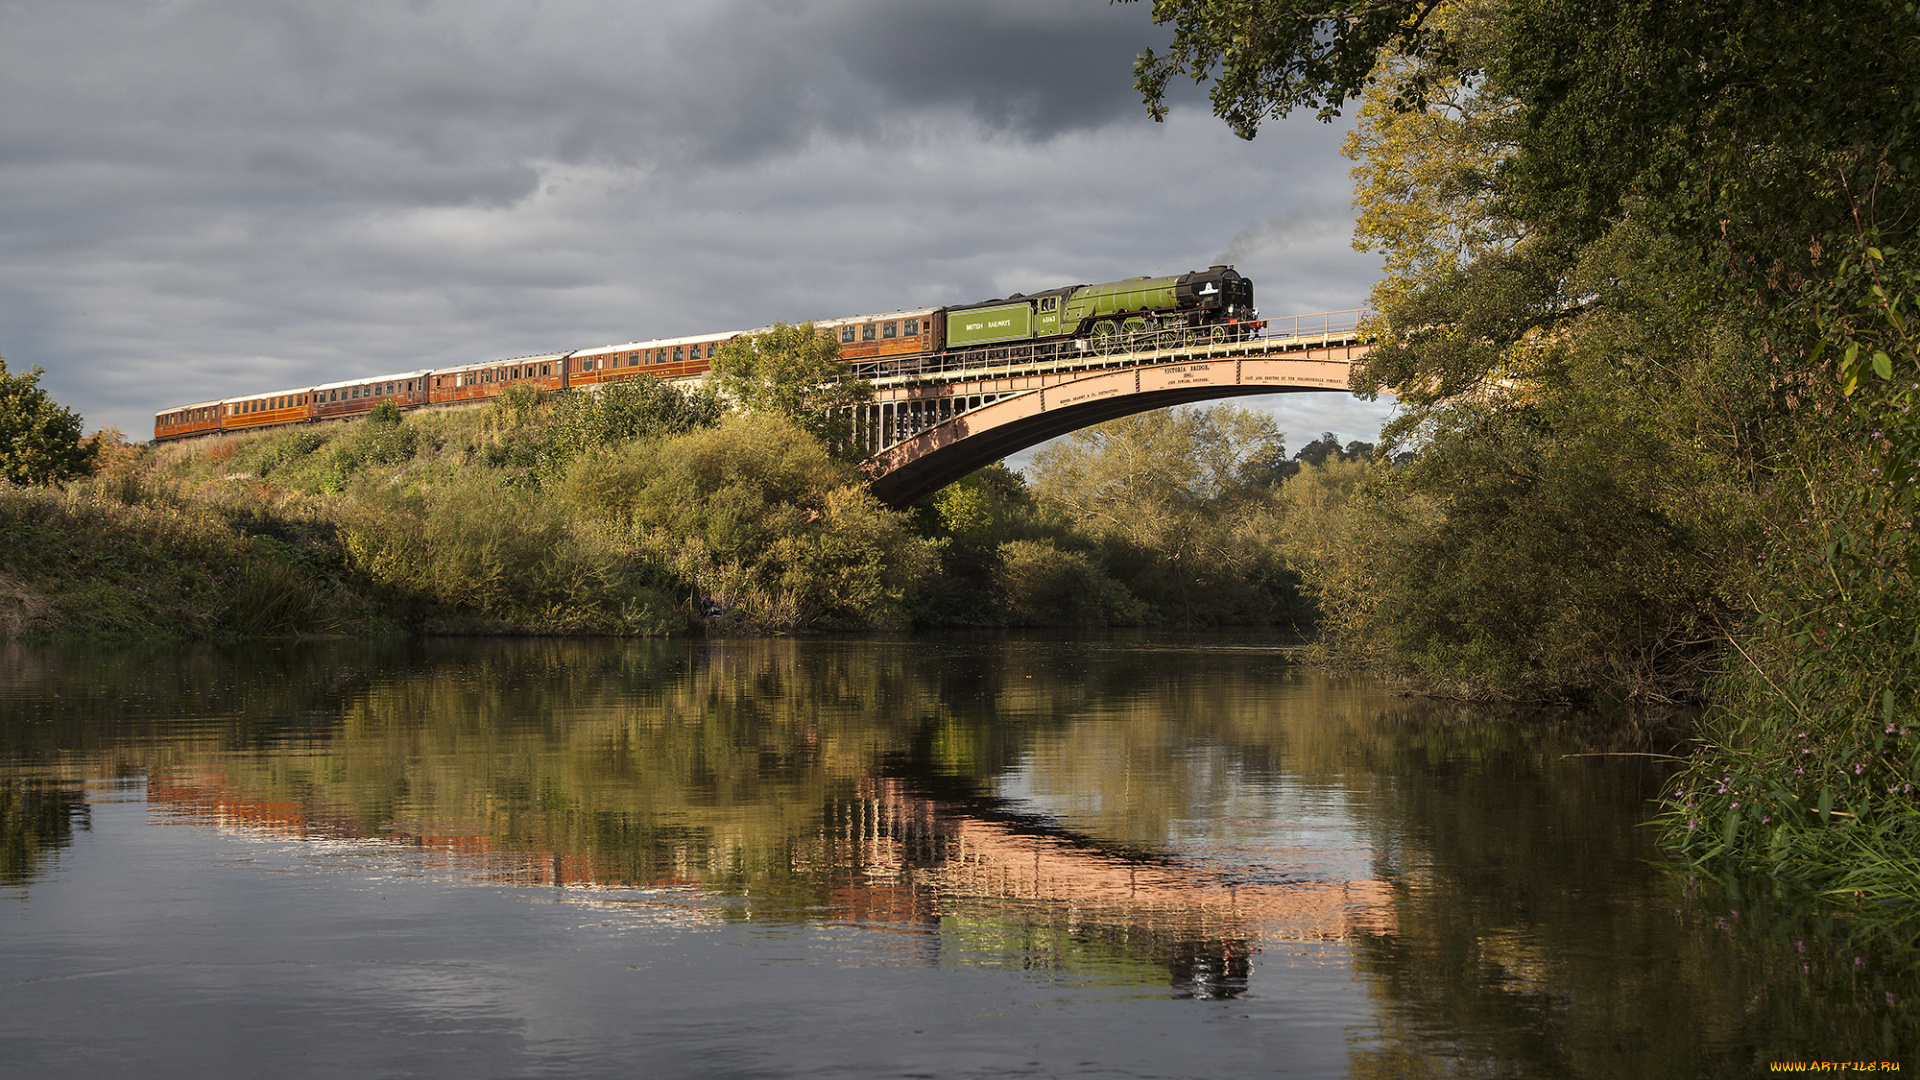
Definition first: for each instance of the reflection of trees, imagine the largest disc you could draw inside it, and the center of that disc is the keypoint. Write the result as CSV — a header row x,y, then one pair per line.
x,y
852,780
36,821
1532,938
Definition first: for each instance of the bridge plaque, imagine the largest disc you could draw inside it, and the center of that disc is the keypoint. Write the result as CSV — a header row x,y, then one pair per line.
x,y
1169,378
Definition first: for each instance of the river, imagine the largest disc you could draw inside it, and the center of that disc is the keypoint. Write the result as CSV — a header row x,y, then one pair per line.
x,y
1129,855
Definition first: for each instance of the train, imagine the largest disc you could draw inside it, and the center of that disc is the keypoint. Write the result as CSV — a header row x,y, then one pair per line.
x,y
1205,306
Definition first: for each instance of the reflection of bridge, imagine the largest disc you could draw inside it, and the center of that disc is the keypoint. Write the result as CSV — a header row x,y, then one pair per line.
x,y
921,857
888,854
936,418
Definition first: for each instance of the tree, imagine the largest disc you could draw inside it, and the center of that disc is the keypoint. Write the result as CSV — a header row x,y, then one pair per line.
x,y
1649,318
795,372
40,440
1181,500
1270,57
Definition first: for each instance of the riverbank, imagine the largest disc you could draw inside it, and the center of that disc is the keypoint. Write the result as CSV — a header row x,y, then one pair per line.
x,y
643,510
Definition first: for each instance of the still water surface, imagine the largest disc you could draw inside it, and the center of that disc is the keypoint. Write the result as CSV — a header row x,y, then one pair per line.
x,y
1175,857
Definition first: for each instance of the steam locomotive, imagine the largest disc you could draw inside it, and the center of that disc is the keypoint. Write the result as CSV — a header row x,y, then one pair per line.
x,y
1208,306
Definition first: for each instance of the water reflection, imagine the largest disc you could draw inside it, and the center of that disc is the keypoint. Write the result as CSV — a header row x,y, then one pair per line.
x,y
812,781
37,821
1134,813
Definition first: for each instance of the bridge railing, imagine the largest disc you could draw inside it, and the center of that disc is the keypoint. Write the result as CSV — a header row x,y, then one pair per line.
x,y
1324,325
1123,350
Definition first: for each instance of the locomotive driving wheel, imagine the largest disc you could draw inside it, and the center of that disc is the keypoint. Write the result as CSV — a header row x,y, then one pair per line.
x,y
1103,337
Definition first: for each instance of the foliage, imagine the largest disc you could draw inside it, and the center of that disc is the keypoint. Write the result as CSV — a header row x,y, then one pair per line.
x,y
83,564
1647,315
1041,585
755,518
1270,58
794,372
1814,770
1426,180
542,433
1181,505
40,440
479,544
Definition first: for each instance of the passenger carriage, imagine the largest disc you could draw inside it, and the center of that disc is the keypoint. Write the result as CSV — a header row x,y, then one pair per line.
x,y
483,382
357,397
266,410
879,337
201,418
661,358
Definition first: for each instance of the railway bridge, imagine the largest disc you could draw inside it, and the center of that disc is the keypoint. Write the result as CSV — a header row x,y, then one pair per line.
x,y
933,419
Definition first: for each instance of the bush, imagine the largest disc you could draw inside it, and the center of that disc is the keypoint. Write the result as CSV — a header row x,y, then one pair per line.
x,y
1042,585
79,564
40,440
754,516
479,547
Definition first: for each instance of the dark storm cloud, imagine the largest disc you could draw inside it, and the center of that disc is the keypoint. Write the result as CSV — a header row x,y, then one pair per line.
x,y
1031,68
435,87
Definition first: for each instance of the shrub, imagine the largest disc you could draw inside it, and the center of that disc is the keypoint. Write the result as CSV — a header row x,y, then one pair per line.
x,y
756,517
1045,586
478,546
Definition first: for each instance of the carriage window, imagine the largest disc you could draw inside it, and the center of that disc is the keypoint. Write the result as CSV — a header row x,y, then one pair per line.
x,y
709,350
677,354
846,335
866,332
913,328
890,330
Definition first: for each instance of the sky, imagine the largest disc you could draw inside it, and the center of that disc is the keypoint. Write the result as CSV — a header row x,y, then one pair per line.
x,y
204,198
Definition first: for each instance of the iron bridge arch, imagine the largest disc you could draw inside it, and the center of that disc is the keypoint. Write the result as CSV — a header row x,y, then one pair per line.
x,y
935,419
